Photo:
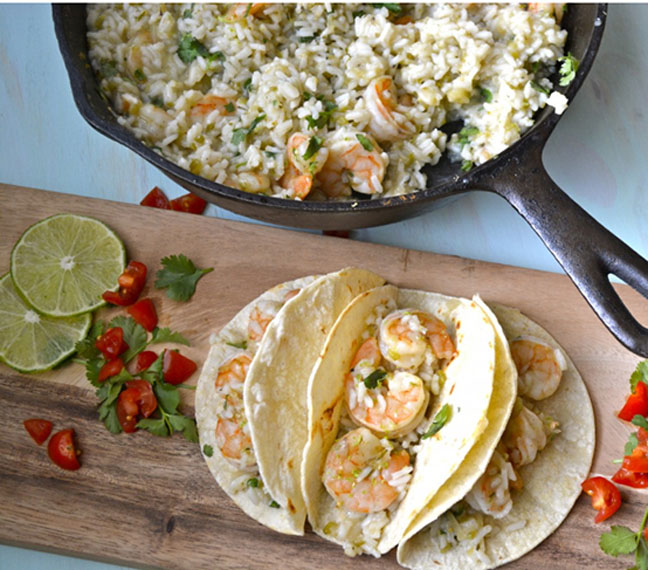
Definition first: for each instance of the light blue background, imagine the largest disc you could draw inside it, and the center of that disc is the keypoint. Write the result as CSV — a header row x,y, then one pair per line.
x,y
598,155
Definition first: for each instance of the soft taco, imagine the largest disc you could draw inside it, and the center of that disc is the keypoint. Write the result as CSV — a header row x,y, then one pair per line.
x,y
397,400
258,364
511,492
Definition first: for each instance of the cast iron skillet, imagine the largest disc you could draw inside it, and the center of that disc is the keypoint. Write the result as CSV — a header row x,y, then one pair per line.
x,y
587,252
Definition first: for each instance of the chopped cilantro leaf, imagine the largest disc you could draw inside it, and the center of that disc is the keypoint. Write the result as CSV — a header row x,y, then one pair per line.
x,y
216,56
639,375
167,335
632,442
139,75
107,68
486,94
306,95
620,540
240,134
640,421
442,417
134,335
568,69
539,88
374,378
466,133
392,7
323,118
274,504
247,85
242,344
365,142
466,165
190,48
314,144
358,13
253,482
208,450
305,39
229,107
179,277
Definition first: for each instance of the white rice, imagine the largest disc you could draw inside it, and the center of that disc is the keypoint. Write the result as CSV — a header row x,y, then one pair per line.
x,y
287,64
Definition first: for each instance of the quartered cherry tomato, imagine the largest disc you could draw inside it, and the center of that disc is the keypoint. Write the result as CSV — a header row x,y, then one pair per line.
x,y
631,479
63,451
131,282
144,313
177,368
189,203
156,199
606,498
137,399
637,403
111,368
111,343
144,360
38,429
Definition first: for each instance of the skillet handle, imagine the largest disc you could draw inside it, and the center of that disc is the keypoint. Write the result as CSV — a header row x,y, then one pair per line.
x,y
587,251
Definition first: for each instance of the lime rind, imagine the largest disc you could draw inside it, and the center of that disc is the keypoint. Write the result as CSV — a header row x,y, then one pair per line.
x,y
30,342
62,264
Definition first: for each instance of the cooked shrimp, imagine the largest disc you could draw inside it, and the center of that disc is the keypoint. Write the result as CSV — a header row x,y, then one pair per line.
x,y
386,123
210,103
539,366
525,436
238,12
394,407
557,10
362,474
263,313
405,336
355,162
302,164
249,181
232,433
491,494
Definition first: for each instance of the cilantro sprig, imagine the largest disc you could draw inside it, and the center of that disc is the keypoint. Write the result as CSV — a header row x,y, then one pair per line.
x,y
372,380
240,134
324,116
179,276
622,540
441,419
568,68
640,374
190,48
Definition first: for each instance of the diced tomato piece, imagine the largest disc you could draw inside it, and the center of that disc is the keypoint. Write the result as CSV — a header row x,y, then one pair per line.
x,y
144,360
189,203
177,368
637,462
131,282
127,409
38,429
631,479
111,343
144,313
156,199
147,401
606,498
63,451
111,368
637,403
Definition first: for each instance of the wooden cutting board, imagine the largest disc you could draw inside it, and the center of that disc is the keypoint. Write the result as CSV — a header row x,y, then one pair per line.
x,y
147,501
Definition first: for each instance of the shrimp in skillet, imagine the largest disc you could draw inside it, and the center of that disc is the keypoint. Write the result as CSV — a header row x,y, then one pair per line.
x,y
387,123
306,157
363,474
355,162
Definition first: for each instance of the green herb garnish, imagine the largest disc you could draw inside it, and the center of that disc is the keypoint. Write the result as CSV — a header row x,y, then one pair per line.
x,y
372,380
630,445
247,85
253,482
568,69
466,133
539,88
314,144
107,68
442,417
466,165
305,39
323,118
392,7
187,14
190,48
242,344
486,94
274,504
365,142
640,374
208,450
229,107
179,276
240,134
357,14
622,540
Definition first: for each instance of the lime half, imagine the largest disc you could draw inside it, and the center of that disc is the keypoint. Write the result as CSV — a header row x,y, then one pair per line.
x,y
62,264
30,342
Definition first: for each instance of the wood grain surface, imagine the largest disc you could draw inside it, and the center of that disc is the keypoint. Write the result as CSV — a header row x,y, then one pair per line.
x,y
150,502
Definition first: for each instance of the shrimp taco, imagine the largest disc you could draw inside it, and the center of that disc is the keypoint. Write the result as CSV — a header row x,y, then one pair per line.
x,y
397,400
270,346
512,492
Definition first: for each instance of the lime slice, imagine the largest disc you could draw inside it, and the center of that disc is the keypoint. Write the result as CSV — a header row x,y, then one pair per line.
x,y
62,264
30,342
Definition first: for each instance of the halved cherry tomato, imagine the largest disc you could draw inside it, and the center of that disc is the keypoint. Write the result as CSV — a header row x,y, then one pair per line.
x,y
631,479
177,368
156,199
637,461
637,403
38,429
62,450
146,402
144,313
606,498
127,409
111,343
189,203
144,360
131,282
111,368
